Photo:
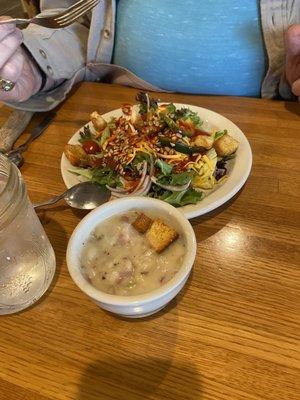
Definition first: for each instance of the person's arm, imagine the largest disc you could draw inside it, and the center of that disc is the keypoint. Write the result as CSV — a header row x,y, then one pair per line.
x,y
29,55
58,53
16,66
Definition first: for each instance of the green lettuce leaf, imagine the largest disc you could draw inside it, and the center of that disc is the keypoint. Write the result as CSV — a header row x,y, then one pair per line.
x,y
85,172
102,176
139,158
176,179
143,98
219,134
112,123
179,199
187,114
86,134
169,121
105,176
165,168
171,109
105,135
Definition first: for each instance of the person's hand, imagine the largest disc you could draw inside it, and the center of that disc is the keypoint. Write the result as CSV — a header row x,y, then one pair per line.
x,y
293,58
16,66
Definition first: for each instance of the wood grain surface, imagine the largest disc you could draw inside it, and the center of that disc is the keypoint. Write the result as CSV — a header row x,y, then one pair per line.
x,y
232,333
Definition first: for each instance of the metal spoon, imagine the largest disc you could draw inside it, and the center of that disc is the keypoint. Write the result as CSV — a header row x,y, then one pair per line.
x,y
84,195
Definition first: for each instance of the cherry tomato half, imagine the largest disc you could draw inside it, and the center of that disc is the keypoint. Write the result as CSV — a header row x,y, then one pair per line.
x,y
90,147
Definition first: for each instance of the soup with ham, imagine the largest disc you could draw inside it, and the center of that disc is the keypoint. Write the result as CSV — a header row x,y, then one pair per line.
x,y
132,254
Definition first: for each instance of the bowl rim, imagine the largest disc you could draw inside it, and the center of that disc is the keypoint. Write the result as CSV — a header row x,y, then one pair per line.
x,y
127,204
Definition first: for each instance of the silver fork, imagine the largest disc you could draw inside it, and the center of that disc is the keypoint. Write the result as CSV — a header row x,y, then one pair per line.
x,y
59,20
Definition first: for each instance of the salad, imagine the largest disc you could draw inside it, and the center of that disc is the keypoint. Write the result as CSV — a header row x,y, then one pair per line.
x,y
154,150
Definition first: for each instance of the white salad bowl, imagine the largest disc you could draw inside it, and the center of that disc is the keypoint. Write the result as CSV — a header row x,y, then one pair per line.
x,y
140,305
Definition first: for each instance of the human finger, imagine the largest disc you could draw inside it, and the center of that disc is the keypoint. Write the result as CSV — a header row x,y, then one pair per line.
x,y
9,45
20,70
12,69
292,40
6,29
12,72
296,87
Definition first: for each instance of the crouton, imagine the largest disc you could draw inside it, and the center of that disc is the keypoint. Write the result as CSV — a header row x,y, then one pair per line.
x,y
226,145
142,223
160,235
75,154
98,122
136,119
204,141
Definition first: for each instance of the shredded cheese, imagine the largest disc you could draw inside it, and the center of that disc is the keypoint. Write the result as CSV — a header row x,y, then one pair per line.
x,y
170,157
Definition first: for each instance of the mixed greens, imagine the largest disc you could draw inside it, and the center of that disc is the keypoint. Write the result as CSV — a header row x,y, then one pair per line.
x,y
153,149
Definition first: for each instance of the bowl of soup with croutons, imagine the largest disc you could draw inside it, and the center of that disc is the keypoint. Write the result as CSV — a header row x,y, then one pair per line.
x,y
132,256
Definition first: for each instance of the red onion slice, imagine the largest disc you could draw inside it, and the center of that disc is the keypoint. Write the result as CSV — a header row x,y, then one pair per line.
x,y
172,188
122,191
116,189
143,190
151,170
144,172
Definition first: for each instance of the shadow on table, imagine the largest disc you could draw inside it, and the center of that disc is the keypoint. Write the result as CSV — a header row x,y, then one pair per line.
x,y
54,229
44,213
217,211
197,222
293,107
136,378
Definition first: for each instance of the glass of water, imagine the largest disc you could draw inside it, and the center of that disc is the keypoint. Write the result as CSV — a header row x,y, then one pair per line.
x,y
27,260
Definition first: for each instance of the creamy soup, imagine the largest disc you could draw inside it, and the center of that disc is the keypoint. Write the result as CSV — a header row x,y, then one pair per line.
x,y
119,260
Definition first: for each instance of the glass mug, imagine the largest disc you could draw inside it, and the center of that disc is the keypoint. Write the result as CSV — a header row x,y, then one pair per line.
x,y
27,260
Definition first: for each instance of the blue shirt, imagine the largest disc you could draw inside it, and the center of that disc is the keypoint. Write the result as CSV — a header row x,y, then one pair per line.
x,y
192,46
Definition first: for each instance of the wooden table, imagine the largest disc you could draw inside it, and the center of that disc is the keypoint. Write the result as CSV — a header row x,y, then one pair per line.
x,y
232,334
